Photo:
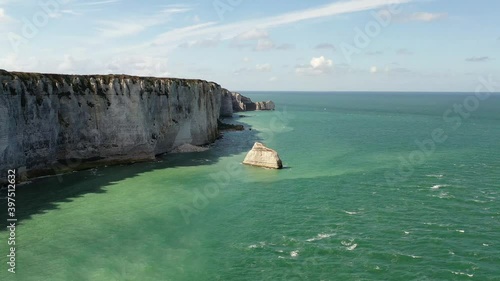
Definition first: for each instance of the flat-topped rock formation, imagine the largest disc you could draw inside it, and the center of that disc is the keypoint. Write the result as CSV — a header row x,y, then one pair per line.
x,y
262,156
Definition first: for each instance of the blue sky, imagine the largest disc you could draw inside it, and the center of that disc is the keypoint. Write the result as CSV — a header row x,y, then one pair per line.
x,y
316,45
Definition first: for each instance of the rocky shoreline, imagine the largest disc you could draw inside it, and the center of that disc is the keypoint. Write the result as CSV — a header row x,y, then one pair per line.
x,y
54,123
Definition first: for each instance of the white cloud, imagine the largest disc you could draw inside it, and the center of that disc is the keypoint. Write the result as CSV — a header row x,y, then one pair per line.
x,y
98,3
177,9
13,62
70,12
70,65
3,16
229,31
272,79
242,70
139,65
181,34
319,65
426,17
77,64
264,45
246,59
67,64
321,62
264,67
373,69
328,10
61,13
115,29
254,34
203,43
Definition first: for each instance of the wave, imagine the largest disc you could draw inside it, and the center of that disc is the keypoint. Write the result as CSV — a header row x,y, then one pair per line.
x,y
352,247
320,236
349,245
438,186
462,273
435,176
409,256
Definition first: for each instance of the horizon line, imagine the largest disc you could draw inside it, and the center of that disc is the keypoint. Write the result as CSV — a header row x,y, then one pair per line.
x,y
362,91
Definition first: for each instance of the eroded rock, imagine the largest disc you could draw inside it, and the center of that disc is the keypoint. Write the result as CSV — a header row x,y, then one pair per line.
x,y
262,156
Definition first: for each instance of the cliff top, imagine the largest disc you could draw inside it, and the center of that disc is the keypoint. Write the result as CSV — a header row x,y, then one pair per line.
x,y
106,77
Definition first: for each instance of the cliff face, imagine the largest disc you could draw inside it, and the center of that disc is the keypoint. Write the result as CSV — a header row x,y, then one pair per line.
x,y
52,123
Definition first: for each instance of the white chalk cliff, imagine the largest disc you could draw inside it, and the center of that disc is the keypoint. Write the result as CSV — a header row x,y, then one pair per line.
x,y
52,123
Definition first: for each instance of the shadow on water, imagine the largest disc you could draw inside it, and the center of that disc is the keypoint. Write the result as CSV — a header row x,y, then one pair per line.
x,y
45,194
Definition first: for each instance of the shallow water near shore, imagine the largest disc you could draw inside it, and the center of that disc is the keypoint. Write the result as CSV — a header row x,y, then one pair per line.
x,y
330,215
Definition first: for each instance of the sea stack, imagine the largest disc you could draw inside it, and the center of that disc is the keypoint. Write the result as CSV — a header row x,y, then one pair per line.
x,y
262,156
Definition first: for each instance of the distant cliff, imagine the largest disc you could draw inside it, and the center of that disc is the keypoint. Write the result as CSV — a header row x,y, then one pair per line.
x,y
242,103
236,102
51,123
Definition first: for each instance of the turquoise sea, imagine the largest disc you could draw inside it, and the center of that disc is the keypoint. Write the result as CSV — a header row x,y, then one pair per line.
x,y
377,186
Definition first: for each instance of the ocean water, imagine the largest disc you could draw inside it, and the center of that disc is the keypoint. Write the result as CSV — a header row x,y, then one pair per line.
x,y
377,186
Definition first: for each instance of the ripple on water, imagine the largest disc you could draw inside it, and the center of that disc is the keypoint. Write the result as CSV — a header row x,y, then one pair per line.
x,y
462,273
439,186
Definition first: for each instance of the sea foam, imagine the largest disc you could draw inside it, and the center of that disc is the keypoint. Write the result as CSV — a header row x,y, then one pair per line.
x,y
320,236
